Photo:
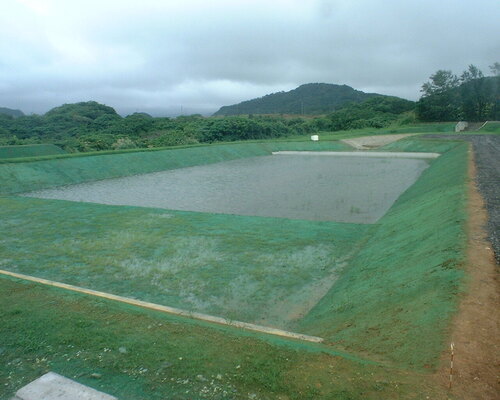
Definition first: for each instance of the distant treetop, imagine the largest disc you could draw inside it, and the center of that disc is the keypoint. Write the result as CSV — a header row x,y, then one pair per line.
x,y
88,109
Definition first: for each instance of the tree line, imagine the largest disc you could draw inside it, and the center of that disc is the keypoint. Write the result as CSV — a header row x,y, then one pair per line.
x,y
90,126
470,96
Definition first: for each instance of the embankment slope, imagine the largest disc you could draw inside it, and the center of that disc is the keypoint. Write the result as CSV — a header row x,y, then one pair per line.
x,y
395,299
26,174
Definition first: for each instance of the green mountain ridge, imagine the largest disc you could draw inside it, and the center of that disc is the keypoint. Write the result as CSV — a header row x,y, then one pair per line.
x,y
310,98
11,112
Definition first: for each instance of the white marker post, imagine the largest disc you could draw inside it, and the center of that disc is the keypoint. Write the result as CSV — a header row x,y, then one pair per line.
x,y
452,347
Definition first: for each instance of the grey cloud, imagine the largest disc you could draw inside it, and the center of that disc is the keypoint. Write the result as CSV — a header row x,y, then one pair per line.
x,y
151,55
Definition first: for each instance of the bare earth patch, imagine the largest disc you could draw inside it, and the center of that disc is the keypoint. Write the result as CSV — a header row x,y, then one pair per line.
x,y
373,142
475,330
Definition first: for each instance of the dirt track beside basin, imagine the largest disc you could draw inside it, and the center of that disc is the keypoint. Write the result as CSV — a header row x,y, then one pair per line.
x,y
487,157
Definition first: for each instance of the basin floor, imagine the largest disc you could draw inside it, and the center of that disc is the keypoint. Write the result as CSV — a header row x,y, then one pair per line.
x,y
310,187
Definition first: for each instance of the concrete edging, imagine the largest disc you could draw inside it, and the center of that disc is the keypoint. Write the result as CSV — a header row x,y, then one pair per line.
x,y
55,386
385,154
167,309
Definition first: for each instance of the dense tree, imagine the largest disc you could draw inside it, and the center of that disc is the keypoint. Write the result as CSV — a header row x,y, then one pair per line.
x,y
377,112
133,125
440,83
475,93
446,97
495,69
84,110
91,126
439,101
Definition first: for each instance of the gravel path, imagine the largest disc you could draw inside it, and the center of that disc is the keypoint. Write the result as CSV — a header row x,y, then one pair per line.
x,y
487,157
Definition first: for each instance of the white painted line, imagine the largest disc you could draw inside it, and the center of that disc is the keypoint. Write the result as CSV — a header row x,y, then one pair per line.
x,y
482,126
384,154
167,309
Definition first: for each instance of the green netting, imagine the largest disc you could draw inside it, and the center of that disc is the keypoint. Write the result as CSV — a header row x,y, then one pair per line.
x,y
259,270
31,175
490,127
164,357
30,150
412,144
397,295
393,301
414,129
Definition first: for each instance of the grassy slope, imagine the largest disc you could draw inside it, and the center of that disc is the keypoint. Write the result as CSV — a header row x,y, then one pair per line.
x,y
490,127
417,129
396,297
45,329
226,265
414,266
414,144
29,150
30,174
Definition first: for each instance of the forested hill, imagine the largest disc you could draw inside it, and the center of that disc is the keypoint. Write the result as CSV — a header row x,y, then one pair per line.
x,y
11,112
473,97
311,98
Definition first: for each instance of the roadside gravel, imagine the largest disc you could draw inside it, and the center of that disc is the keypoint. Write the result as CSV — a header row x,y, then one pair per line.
x,y
487,158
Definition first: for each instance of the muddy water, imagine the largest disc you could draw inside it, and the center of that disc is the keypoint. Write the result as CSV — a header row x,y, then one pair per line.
x,y
343,189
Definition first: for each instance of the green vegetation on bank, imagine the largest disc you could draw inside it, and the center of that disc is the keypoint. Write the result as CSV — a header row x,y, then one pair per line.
x,y
347,320
378,112
397,295
392,302
491,127
231,266
136,354
309,109
33,150
414,129
90,126
325,136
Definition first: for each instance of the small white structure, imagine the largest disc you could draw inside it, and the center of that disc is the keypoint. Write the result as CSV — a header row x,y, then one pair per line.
x,y
461,126
314,138
52,386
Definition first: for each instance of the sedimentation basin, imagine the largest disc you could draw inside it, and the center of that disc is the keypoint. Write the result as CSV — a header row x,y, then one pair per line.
x,y
392,281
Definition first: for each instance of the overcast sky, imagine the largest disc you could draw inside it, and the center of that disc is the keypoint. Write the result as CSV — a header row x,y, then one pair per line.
x,y
159,56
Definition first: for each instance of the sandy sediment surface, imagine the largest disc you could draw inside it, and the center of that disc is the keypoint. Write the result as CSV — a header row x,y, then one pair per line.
x,y
373,142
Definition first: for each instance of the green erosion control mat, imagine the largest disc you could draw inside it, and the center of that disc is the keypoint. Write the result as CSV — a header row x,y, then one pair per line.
x,y
395,283
244,268
29,150
31,174
396,297
135,355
